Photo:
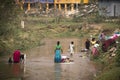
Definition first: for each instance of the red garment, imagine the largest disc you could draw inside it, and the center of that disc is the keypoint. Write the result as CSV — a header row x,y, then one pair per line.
x,y
16,56
107,43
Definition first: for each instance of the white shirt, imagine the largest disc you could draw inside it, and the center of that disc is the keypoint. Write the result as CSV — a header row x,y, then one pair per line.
x,y
71,48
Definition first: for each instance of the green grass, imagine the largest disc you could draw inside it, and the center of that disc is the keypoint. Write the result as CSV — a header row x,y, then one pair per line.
x,y
113,74
110,26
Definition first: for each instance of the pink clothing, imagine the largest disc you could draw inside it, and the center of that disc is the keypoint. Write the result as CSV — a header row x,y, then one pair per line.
x,y
16,56
115,36
94,51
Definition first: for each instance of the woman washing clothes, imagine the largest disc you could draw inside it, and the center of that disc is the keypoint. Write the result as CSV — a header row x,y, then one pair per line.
x,y
58,51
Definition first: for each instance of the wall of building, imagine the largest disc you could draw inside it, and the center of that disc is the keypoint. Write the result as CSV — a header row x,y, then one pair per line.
x,y
110,8
58,4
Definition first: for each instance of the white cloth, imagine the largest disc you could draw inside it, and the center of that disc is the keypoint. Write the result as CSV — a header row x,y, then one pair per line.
x,y
64,57
96,45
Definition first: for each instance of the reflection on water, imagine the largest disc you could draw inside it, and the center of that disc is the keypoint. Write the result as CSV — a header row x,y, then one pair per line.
x,y
11,71
57,71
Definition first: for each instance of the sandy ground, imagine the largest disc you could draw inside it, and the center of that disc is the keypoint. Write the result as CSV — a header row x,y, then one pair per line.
x,y
39,64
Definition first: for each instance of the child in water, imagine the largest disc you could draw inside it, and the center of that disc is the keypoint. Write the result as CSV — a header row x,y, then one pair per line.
x,y
71,47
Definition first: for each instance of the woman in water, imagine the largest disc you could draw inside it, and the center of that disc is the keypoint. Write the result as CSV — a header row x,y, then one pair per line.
x,y
58,50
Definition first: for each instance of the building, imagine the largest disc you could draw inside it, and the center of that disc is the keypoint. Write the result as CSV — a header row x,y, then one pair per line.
x,y
57,4
109,8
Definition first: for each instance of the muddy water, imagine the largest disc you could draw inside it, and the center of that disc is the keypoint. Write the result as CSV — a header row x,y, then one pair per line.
x,y
39,64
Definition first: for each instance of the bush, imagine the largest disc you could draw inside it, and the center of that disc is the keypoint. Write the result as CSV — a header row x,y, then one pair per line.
x,y
118,54
113,74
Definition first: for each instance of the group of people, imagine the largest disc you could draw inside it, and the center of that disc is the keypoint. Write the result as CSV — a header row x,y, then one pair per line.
x,y
17,57
92,45
103,40
59,50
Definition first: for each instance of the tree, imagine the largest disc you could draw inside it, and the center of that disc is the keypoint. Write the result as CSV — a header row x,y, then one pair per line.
x,y
8,21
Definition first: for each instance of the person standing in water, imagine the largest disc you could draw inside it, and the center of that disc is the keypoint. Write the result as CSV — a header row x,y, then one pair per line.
x,y
58,51
71,47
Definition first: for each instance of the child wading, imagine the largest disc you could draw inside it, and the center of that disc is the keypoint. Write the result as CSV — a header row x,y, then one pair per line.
x,y
71,47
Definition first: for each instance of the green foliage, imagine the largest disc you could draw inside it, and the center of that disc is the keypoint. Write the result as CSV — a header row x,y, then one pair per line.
x,y
7,16
110,65
8,24
118,54
113,74
77,18
95,18
4,48
110,26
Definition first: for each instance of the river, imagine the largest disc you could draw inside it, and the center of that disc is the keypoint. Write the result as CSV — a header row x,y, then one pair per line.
x,y
39,64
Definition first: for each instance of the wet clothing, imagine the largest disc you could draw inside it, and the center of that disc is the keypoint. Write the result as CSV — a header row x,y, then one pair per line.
x,y
57,57
16,56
